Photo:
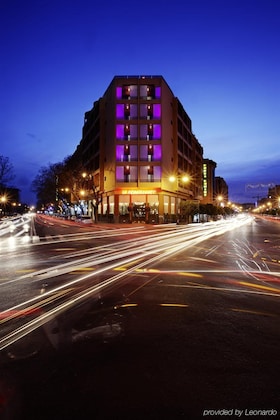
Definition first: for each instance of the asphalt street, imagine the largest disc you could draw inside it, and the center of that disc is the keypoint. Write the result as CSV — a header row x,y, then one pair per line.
x,y
186,327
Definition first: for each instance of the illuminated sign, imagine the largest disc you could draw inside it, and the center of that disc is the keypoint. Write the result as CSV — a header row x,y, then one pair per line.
x,y
139,192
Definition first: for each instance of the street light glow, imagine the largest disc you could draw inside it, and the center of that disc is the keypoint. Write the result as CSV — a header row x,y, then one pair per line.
x,y
185,178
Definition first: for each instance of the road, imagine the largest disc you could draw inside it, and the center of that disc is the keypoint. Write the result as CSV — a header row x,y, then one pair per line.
x,y
141,321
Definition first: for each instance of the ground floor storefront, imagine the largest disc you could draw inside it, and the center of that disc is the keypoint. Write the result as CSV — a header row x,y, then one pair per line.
x,y
139,206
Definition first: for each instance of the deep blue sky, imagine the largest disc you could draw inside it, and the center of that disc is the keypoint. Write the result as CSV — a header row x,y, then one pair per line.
x,y
221,58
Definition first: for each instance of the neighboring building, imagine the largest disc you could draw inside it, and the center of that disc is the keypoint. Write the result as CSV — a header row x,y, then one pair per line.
x,y
208,181
221,191
274,196
135,138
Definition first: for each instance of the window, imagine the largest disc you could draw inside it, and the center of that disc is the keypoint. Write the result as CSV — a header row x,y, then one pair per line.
x,y
150,173
120,111
126,170
150,150
150,131
126,92
123,204
151,92
149,111
127,150
126,131
150,170
127,111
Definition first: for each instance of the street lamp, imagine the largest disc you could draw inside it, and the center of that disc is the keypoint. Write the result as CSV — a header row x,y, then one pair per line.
x,y
220,200
3,200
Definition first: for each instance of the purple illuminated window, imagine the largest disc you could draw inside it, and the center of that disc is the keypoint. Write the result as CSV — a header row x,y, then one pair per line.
x,y
120,131
119,153
120,111
157,111
143,131
119,92
133,153
157,92
119,173
150,170
157,172
157,131
150,152
143,111
157,152
133,111
133,131
144,152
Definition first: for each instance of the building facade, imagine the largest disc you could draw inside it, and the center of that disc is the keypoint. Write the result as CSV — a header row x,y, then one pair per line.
x,y
221,191
208,181
274,195
139,152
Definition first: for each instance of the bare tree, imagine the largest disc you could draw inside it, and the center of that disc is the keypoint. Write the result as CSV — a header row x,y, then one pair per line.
x,y
6,171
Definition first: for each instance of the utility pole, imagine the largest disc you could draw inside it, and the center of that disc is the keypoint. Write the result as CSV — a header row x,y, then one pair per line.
x,y
260,188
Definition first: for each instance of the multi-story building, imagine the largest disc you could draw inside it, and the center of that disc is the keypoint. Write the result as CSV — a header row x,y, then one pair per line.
x,y
208,181
221,191
274,195
140,152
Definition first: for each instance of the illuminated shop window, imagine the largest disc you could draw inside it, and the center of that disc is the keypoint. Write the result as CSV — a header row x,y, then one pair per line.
x,y
123,204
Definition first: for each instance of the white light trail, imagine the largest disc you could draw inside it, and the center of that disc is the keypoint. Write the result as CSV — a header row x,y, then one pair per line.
x,y
150,249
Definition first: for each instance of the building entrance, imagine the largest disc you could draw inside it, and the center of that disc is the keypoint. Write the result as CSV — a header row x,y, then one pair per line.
x,y
139,212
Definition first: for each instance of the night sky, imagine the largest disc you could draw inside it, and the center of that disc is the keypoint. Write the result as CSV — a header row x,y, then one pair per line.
x,y
221,58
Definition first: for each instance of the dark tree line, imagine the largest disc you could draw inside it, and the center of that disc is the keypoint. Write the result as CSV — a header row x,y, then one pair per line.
x,y
6,171
53,180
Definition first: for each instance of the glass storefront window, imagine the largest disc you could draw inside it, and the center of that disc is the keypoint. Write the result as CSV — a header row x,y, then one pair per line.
x,y
104,205
111,204
123,204
172,205
166,204
153,203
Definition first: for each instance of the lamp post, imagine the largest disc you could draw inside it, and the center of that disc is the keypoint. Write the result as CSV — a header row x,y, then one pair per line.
x,y
3,200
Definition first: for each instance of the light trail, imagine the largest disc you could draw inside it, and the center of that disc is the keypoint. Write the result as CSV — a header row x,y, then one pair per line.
x,y
162,246
138,247
276,292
